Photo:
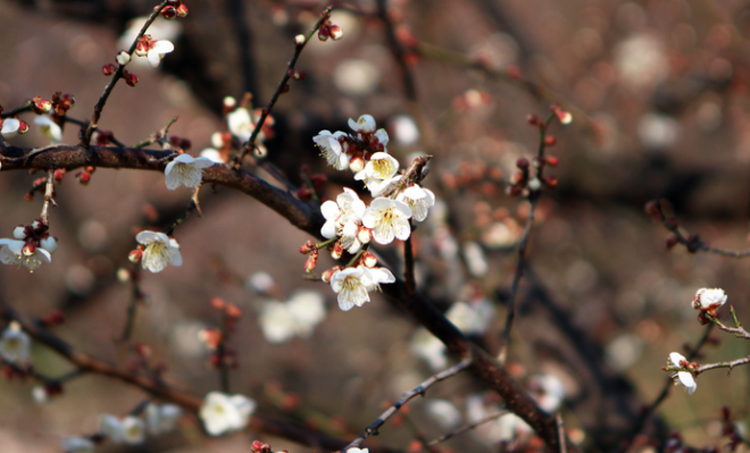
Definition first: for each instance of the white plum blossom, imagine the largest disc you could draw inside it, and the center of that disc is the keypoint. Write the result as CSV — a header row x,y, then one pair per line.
x,y
129,430
49,129
160,29
684,378
162,418
213,154
186,170
15,344
10,127
223,413
427,347
158,50
160,251
282,321
332,149
388,219
419,200
364,125
379,173
77,445
16,252
354,283
343,219
240,124
709,299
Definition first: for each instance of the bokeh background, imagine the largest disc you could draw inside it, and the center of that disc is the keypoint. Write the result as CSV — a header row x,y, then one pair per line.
x,y
659,93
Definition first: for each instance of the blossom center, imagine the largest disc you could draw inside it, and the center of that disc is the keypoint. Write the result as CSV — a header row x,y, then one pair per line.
x,y
382,167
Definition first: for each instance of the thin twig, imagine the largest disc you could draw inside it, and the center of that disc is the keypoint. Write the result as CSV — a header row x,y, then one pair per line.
x,y
86,139
135,298
405,398
463,429
561,433
250,144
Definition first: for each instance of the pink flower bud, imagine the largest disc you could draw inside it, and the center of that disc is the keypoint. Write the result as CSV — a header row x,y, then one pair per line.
x,y
135,256
23,127
337,251
311,263
369,260
328,274
335,32
28,249
169,12
364,235
182,10
109,69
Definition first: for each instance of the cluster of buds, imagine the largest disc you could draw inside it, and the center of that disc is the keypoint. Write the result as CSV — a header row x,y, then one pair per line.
x,y
522,182
309,248
40,105
84,176
329,30
174,9
61,103
708,301
32,245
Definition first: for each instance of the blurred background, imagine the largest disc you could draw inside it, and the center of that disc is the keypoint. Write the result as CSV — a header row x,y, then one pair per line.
x,y
659,95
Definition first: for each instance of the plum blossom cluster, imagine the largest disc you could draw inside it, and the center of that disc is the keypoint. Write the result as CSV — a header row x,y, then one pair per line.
x,y
350,224
157,419
31,246
241,120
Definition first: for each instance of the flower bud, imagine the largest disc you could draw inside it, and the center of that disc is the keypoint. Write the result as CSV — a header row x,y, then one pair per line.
x,y
20,232
49,244
169,12
109,69
299,40
328,274
83,177
357,164
28,250
182,10
369,260
364,235
535,184
23,127
335,32
550,141
123,275
122,58
41,105
337,250
534,120
323,34
307,247
135,256
311,263
551,160
522,163
37,225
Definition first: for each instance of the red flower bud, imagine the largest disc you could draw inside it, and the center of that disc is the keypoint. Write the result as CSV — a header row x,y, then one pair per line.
x,y
109,69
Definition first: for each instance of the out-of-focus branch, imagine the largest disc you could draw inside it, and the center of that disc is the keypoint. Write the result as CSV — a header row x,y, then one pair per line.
x,y
304,217
85,363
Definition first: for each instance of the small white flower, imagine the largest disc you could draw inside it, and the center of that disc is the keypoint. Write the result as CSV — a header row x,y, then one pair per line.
x,y
282,321
354,283
17,253
444,412
332,149
160,251
158,50
40,395
162,418
133,430
419,200
276,322
471,319
343,219
185,170
364,125
110,427
49,129
388,219
684,378
77,445
379,173
10,127
308,310
15,344
709,299
427,347
213,154
240,124
222,413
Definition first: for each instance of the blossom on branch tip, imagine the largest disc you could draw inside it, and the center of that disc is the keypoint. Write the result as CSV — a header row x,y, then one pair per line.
x,y
354,283
49,129
388,219
332,149
379,173
709,299
684,378
15,344
419,200
222,413
160,251
10,127
186,170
